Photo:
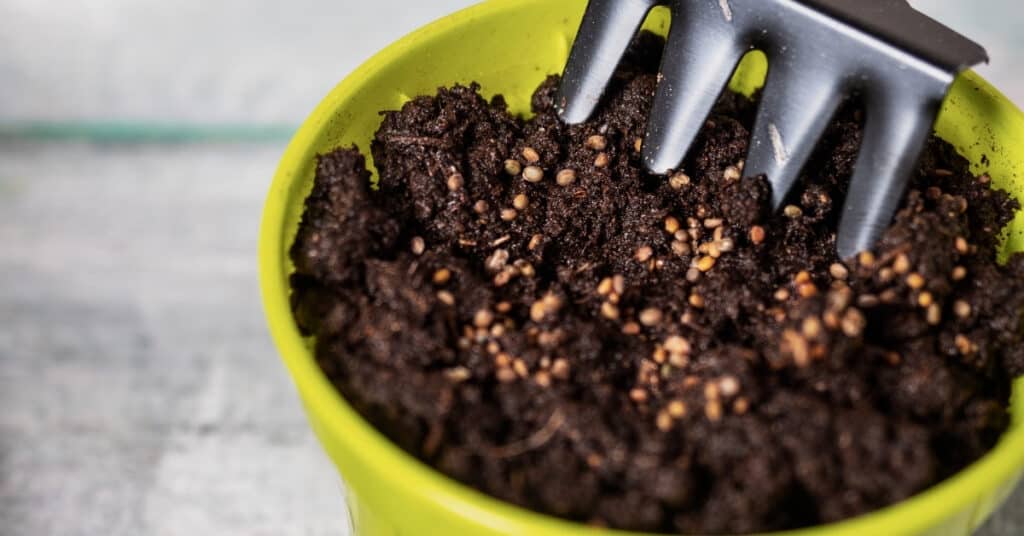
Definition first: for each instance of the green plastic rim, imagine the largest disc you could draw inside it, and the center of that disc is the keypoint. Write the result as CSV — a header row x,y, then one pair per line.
x,y
516,43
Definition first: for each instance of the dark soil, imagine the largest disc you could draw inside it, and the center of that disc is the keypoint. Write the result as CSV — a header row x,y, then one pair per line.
x,y
652,353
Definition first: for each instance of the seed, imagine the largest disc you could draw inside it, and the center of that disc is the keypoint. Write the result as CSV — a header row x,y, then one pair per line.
x,y
740,406
713,223
934,314
542,378
534,242
713,411
757,234
503,278
601,160
718,233
418,245
893,358
681,248
533,174
697,301
560,368
678,360
643,253
729,386
480,206
963,344
483,318
604,288
609,311
868,301
693,275
962,309
457,374
886,275
853,323
618,284
671,225
677,345
838,271
679,180
731,173
726,245
650,316
631,328
782,294
705,264
537,311
497,261
508,214
638,144
925,299
525,268
520,367
792,211
442,276
803,276
942,172
513,167
866,259
811,327
962,247
807,290
565,177
446,297
638,395
915,281
520,202
505,375
902,264
531,155
660,355
455,182
663,421
959,273
796,346
677,409
597,142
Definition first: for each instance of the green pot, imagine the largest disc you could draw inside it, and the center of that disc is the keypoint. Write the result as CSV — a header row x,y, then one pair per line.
x,y
509,46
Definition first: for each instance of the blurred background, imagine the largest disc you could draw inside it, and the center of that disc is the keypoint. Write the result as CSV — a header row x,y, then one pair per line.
x,y
139,391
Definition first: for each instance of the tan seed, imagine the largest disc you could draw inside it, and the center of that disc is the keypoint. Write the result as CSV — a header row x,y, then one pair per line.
x,y
677,409
681,248
731,173
705,264
693,275
534,242
609,311
618,284
962,309
838,271
560,368
853,323
531,155
757,234
729,386
925,299
520,202
677,345
726,245
803,276
442,276
807,290
866,259
660,355
457,374
418,245
697,301
505,375
886,275
811,327
533,174
537,311
508,214
796,346
740,406
782,294
497,261
915,281
604,288
663,421
513,167
597,142
959,273
678,181
631,328
650,316
962,247
638,395
713,223
520,367
455,182
963,344
643,253
792,211
565,177
638,144
902,264
678,360
480,206
446,297
713,411
503,278
601,160
542,378
483,318
671,225
934,314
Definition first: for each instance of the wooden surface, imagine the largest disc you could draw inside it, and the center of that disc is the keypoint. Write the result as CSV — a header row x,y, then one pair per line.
x,y
139,391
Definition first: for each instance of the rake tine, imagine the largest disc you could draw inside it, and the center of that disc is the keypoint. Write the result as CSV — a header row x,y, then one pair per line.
x,y
605,33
